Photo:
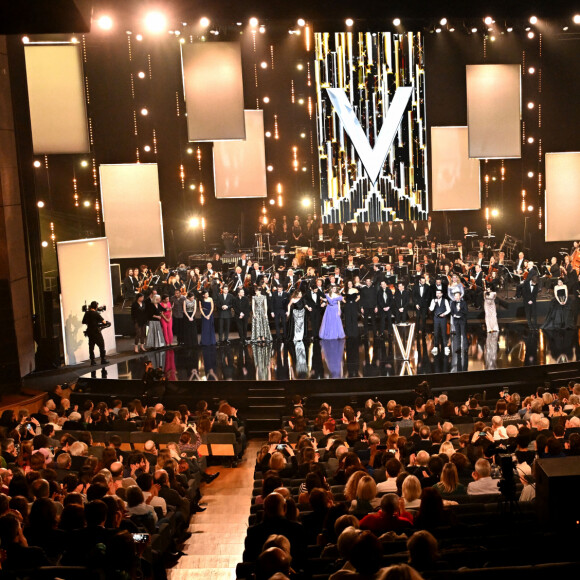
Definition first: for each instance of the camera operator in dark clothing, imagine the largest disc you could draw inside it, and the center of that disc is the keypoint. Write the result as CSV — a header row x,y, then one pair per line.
x,y
95,324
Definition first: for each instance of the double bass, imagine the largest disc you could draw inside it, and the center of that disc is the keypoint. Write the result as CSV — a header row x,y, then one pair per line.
x,y
575,260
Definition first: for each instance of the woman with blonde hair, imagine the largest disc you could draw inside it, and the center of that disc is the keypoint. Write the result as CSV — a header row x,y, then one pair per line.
x,y
411,492
447,449
448,484
366,497
352,484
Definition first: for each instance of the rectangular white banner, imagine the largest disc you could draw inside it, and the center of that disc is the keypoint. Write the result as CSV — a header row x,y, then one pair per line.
x,y
56,96
240,166
214,90
132,210
494,111
562,197
84,273
455,181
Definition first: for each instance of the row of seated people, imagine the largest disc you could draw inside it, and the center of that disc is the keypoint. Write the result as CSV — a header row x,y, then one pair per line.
x,y
68,501
392,486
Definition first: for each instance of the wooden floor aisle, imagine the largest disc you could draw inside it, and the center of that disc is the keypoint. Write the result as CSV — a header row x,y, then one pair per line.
x,y
217,541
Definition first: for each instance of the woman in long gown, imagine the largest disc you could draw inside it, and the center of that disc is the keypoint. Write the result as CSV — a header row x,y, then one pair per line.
x,y
490,311
260,325
560,314
207,323
166,320
351,297
190,324
331,326
296,317
155,334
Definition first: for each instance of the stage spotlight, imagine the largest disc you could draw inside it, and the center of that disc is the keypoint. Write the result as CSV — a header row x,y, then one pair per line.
x,y
452,29
87,203
144,112
530,140
268,134
397,22
474,30
270,168
494,212
488,20
530,105
189,150
303,135
253,22
264,64
438,30
533,19
349,21
301,22
44,244
265,220
272,201
84,163
40,204
74,40
141,74
25,40
105,23
510,29
194,222
192,187
300,101
139,37
204,22
531,70
443,21
306,201
530,174
530,208
531,34
155,22
37,164
492,38
576,18
147,148
266,99
262,29
299,66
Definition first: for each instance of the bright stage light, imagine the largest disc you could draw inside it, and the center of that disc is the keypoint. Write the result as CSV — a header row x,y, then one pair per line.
x,y
272,201
301,22
266,99
531,34
492,38
300,101
474,30
144,112
270,168
139,37
37,163
397,22
438,30
443,21
87,203
530,105
105,22
530,174
533,19
155,22
262,29
194,222
306,202
268,134
44,244
253,22
141,74
204,22
303,135
531,70
349,21
74,40
299,66
264,64
488,20
530,208
25,40
84,163
494,212
576,19
40,204
530,140
189,150
147,148
510,29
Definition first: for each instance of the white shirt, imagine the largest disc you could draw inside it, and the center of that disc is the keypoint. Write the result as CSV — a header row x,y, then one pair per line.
x,y
388,486
156,502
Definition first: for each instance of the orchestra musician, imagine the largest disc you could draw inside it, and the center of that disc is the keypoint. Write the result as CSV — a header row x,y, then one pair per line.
x,y
281,260
237,280
130,284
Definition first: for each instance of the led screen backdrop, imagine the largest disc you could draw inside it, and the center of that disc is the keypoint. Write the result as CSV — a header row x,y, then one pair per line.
x,y
56,95
455,178
240,166
494,111
214,90
371,126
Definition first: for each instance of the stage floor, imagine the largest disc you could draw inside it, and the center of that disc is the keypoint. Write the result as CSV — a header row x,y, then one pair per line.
x,y
514,346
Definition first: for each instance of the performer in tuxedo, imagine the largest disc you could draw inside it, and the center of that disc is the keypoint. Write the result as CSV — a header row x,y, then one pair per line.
x,y
356,235
281,260
422,300
279,306
368,305
441,310
401,302
313,298
244,264
224,304
520,264
530,295
242,310
255,274
339,239
385,303
237,280
459,314
477,290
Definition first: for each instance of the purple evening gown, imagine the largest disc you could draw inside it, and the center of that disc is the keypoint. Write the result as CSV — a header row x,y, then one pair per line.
x,y
331,326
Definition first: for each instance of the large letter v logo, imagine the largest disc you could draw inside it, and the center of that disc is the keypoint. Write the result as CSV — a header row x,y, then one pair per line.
x,y
372,158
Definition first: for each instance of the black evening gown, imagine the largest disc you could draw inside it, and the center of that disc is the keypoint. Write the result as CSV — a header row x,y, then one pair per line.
x,y
560,315
351,315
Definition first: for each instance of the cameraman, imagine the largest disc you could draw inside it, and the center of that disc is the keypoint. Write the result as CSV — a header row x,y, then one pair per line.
x,y
95,323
